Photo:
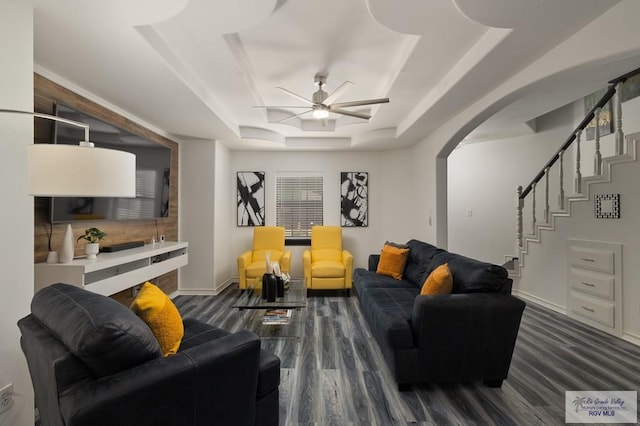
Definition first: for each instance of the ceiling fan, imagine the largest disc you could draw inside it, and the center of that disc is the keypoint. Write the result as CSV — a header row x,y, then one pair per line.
x,y
322,103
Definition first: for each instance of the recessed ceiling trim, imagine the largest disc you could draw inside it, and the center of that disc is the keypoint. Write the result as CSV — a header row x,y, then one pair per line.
x,y
408,47
245,68
375,136
186,75
486,44
319,143
507,13
417,17
256,133
117,13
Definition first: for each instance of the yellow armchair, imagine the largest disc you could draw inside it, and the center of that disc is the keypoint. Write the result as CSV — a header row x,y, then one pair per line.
x,y
251,264
327,265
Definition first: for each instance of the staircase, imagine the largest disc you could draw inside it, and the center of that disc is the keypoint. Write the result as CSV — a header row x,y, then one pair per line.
x,y
625,151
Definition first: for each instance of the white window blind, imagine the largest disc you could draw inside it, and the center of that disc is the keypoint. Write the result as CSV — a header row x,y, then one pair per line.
x,y
298,204
143,205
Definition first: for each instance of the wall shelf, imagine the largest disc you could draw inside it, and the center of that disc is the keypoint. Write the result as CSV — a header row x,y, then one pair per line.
x,y
110,273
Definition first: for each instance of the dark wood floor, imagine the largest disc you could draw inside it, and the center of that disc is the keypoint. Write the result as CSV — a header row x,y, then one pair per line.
x,y
333,372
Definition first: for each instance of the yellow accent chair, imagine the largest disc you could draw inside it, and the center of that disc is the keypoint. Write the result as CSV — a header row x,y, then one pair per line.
x,y
251,264
327,266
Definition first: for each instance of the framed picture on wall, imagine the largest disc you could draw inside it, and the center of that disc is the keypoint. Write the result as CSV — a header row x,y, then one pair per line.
x,y
354,199
250,190
604,119
631,88
607,206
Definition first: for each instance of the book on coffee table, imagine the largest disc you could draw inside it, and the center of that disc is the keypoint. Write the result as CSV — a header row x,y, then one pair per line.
x,y
277,317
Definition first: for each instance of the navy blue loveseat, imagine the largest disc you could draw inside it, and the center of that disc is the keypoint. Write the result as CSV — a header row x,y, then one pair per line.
x,y
467,335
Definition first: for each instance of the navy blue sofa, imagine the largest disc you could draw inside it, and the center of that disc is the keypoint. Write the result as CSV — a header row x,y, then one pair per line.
x,y
93,362
467,335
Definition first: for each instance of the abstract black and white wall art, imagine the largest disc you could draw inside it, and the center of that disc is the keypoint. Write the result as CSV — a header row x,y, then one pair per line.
x,y
607,206
166,185
250,187
354,198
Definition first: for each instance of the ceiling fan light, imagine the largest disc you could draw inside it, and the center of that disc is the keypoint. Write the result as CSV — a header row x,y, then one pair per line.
x,y
320,113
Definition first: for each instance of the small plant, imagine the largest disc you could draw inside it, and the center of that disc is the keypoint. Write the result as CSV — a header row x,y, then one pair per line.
x,y
92,235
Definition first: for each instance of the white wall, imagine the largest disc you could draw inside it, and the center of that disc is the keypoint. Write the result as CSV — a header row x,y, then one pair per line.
x,y
423,203
587,47
197,214
16,215
225,260
569,56
390,196
544,274
482,180
482,177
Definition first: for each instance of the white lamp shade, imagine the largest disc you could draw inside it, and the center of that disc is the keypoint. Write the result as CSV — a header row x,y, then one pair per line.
x,y
79,171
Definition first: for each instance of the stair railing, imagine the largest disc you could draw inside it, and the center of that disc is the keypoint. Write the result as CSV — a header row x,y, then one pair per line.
x,y
615,87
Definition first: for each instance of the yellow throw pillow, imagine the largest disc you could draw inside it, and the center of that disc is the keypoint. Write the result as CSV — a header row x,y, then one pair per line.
x,y
392,261
161,315
439,281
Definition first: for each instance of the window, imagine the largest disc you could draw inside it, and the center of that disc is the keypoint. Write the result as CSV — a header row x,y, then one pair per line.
x,y
298,203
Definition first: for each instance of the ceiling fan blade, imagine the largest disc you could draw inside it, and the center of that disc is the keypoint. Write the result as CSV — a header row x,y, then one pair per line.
x,y
279,106
293,116
350,113
295,95
338,92
359,103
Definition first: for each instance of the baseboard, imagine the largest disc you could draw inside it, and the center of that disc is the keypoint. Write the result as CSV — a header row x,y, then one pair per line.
x,y
631,338
205,291
226,284
196,292
626,335
535,299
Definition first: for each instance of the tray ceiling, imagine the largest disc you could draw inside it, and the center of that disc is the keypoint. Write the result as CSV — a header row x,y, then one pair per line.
x,y
198,69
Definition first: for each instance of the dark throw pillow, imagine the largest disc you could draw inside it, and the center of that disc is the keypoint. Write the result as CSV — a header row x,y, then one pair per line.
x,y
103,333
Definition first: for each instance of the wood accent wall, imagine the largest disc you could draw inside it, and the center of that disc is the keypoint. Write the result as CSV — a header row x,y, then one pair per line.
x,y
46,94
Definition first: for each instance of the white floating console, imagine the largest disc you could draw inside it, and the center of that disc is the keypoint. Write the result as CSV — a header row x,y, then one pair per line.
x,y
110,273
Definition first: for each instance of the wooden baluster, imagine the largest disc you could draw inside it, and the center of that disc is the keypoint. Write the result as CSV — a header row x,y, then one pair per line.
x,y
519,207
578,182
597,157
618,112
533,209
561,195
546,195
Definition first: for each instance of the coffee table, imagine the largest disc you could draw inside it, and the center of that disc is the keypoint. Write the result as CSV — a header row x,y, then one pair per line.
x,y
295,299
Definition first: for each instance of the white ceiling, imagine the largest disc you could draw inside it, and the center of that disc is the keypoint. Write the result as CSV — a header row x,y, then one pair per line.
x,y
197,69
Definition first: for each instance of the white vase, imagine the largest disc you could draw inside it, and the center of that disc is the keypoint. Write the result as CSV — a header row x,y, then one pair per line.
x,y
66,251
91,250
52,257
